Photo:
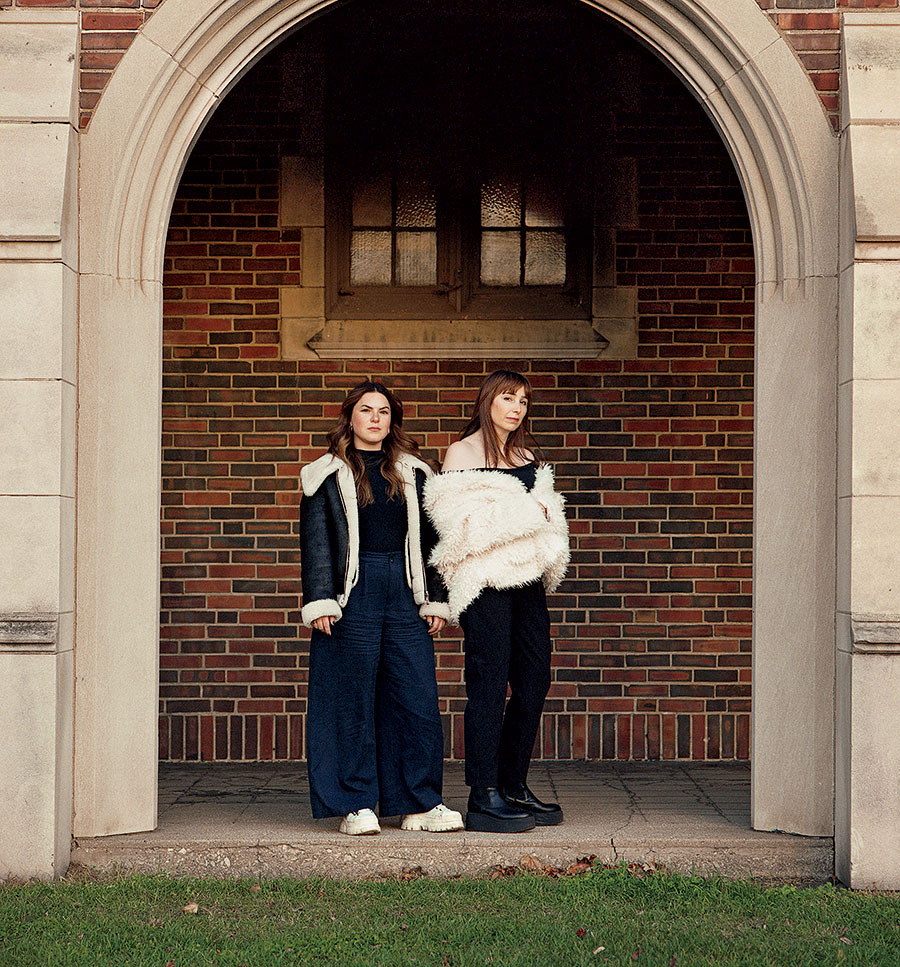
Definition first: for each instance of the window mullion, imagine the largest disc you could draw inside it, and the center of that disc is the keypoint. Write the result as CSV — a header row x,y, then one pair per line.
x,y
393,224
522,236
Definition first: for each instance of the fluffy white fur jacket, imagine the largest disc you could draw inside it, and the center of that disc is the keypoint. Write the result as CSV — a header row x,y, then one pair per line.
x,y
493,532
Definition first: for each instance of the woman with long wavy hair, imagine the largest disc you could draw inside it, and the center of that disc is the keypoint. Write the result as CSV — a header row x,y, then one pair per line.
x,y
374,738
503,543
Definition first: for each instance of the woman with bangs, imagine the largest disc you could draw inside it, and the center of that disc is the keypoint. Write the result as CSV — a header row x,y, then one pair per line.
x,y
374,737
503,543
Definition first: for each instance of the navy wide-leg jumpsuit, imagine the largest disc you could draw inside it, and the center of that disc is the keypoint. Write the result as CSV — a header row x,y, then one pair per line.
x,y
374,737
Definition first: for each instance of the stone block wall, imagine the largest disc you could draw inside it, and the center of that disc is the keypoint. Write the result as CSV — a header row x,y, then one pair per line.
x,y
652,626
811,27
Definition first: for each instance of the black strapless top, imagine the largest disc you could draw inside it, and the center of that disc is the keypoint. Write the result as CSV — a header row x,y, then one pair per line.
x,y
526,473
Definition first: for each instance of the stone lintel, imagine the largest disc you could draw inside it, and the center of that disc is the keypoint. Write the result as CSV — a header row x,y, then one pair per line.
x,y
454,338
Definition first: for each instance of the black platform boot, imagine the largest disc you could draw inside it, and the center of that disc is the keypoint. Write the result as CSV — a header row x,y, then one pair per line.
x,y
488,812
521,797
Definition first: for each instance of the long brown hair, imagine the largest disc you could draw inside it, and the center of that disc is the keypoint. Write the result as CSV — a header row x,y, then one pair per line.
x,y
340,443
499,382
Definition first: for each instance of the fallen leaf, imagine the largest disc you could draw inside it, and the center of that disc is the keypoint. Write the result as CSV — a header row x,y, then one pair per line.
x,y
411,873
637,953
256,888
580,932
672,961
499,871
846,940
190,907
598,949
532,864
403,926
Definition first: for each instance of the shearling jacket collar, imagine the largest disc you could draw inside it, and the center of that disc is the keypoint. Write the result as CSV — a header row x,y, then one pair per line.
x,y
314,474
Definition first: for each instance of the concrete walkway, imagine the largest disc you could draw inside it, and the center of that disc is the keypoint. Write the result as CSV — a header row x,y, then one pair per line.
x,y
254,820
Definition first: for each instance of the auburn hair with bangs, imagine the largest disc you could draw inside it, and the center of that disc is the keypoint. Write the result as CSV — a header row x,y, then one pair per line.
x,y
513,452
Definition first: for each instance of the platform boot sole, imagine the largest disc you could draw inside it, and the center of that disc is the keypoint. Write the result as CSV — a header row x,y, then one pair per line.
x,y
481,823
547,819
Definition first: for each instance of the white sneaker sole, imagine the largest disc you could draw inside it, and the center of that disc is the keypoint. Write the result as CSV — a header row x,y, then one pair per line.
x,y
446,825
364,828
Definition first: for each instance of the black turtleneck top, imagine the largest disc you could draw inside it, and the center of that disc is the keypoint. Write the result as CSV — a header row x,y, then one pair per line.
x,y
382,524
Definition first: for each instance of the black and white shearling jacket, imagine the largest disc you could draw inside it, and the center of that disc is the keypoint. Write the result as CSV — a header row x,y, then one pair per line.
x,y
329,539
493,532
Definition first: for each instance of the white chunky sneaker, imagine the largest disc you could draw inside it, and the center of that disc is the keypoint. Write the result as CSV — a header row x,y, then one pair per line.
x,y
362,823
437,820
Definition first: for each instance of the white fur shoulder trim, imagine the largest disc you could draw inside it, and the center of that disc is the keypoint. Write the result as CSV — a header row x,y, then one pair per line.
x,y
314,474
414,463
483,481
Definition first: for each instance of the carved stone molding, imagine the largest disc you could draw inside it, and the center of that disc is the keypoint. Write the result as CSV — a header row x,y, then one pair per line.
x,y
875,634
28,632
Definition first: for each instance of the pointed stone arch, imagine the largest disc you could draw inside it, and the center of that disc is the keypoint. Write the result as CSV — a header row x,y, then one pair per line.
x,y
186,59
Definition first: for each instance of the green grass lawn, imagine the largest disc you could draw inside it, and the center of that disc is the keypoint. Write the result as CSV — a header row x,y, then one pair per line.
x,y
605,916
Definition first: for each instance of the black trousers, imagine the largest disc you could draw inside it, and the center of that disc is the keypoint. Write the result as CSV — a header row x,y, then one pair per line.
x,y
507,640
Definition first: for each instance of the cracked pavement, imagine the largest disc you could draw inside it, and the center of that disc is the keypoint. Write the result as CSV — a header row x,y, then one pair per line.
x,y
254,819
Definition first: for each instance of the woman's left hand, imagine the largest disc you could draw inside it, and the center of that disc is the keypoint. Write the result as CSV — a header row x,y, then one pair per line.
x,y
435,624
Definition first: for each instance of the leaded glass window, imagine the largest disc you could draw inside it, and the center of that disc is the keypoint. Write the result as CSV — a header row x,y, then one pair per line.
x,y
523,239
457,184
394,235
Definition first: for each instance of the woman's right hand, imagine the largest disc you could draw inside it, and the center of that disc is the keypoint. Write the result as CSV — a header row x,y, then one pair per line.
x,y
324,623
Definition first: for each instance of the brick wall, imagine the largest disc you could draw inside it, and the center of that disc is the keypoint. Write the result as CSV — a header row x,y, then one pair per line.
x,y
811,27
652,627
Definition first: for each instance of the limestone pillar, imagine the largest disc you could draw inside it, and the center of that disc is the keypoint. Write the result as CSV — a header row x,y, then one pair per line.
x,y
38,307
867,812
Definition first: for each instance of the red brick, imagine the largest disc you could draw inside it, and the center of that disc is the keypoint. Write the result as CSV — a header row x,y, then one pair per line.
x,y
112,21
114,40
809,21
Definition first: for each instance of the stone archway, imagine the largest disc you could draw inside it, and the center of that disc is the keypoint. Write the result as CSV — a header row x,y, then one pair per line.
x,y
186,59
